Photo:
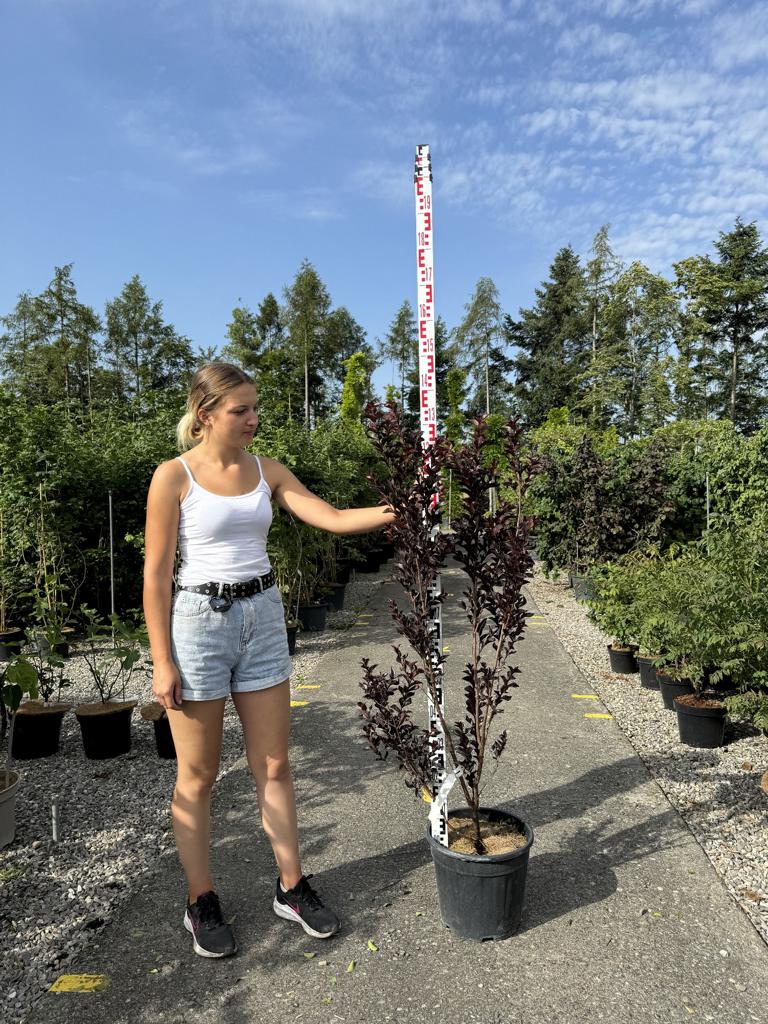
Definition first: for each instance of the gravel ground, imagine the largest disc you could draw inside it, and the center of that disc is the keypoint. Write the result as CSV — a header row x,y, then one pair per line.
x,y
114,823
717,792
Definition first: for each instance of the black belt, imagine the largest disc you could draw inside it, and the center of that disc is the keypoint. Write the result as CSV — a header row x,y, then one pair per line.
x,y
223,594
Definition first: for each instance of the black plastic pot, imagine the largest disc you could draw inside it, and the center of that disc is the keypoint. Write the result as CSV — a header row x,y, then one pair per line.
x,y
372,561
336,596
343,572
106,733
482,897
40,645
700,726
164,739
647,672
292,631
37,733
671,688
623,660
583,588
312,617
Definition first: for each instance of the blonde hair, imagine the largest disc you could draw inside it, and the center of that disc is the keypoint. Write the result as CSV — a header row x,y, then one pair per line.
x,y
210,384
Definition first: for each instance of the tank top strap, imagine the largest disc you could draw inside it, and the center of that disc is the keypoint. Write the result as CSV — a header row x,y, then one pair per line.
x,y
186,467
261,471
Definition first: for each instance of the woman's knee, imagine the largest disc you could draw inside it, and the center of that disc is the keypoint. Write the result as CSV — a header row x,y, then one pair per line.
x,y
195,781
270,769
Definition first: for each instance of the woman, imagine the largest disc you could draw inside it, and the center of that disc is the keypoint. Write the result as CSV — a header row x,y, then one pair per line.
x,y
223,632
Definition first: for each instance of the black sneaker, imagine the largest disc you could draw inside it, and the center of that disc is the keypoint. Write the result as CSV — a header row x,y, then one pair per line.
x,y
303,905
211,935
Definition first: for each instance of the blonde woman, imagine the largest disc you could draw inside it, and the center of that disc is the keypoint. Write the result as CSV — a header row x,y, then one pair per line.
x,y
222,633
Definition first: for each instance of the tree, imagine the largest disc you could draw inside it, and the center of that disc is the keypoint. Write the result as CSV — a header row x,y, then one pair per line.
x,y
401,344
343,338
601,273
553,341
481,337
245,341
306,314
355,392
642,315
727,303
146,355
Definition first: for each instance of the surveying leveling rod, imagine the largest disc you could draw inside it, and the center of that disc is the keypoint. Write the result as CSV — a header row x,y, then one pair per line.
x,y
428,406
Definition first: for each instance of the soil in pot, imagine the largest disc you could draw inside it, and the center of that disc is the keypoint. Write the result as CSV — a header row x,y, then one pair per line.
x,y
38,729
312,617
622,659
648,680
700,720
8,807
105,728
481,897
156,714
671,688
10,642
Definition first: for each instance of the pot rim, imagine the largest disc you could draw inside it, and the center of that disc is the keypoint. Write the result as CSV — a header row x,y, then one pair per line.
x,y
89,710
485,858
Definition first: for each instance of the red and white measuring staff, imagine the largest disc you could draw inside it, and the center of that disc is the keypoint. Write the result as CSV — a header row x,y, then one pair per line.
x,y
425,277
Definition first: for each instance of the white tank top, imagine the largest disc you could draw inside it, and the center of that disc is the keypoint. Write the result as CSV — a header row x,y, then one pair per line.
x,y
223,538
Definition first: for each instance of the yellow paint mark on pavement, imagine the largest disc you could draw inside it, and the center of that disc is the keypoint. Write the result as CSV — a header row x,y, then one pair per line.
x,y
595,715
308,686
584,696
426,796
80,983
446,650
299,703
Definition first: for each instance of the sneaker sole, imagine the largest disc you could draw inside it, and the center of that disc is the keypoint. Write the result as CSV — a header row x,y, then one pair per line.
x,y
289,915
198,948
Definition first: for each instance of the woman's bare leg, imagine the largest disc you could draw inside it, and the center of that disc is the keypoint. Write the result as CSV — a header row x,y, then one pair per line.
x,y
265,716
197,735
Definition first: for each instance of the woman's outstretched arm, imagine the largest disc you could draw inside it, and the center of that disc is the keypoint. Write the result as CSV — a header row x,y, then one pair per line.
x,y
291,494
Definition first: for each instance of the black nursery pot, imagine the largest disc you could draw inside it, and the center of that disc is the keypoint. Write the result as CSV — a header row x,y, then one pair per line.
x,y
671,688
700,727
336,596
292,631
37,734
623,662
482,897
164,739
10,642
583,588
648,677
312,617
107,734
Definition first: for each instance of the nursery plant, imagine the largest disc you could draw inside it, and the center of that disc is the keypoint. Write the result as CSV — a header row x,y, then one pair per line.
x,y
491,549
16,679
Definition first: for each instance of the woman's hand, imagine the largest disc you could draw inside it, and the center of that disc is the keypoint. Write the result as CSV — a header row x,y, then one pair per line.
x,y
166,686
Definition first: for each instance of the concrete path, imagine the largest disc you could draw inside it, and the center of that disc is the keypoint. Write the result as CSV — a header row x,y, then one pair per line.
x,y
625,920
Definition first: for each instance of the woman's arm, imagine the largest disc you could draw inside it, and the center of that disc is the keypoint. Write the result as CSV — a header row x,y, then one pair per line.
x,y
160,540
291,494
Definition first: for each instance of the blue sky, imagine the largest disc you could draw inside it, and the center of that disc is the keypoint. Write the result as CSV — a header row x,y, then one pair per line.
x,y
211,146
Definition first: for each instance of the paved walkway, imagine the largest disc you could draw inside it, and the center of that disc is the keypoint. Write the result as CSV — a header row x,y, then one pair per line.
x,y
625,920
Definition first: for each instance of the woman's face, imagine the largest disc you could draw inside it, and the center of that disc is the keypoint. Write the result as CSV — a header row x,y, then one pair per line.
x,y
235,419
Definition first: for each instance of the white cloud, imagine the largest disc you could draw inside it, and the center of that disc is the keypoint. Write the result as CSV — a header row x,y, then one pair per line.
x,y
740,37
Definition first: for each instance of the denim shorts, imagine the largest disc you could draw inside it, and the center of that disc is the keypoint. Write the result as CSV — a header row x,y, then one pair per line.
x,y
235,651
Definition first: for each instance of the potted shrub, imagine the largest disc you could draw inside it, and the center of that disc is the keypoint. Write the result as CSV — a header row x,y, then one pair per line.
x,y
481,873
284,546
17,679
613,609
111,652
38,721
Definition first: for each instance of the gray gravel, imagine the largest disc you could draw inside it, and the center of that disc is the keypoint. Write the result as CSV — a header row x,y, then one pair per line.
x,y
717,792
114,824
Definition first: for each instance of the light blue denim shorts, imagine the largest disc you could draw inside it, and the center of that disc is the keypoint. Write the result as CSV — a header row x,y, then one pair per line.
x,y
235,651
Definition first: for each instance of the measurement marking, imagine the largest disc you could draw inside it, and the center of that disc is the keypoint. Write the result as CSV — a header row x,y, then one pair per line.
x,y
80,983
299,703
598,715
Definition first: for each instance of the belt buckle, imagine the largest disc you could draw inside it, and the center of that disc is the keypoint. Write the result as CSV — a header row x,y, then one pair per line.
x,y
220,602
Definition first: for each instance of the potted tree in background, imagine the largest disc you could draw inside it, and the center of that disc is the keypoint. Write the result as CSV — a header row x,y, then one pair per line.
x,y
481,873
106,724
38,720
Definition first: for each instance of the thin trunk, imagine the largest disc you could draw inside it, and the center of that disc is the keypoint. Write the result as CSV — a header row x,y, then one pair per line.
x,y
306,380
734,373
